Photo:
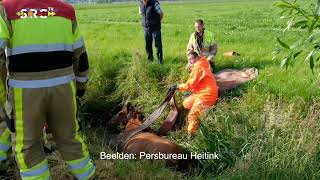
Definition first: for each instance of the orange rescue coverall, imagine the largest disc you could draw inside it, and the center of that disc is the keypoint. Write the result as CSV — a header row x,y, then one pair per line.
x,y
204,90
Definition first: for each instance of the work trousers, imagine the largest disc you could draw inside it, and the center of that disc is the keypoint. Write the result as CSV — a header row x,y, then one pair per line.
x,y
31,108
149,35
196,105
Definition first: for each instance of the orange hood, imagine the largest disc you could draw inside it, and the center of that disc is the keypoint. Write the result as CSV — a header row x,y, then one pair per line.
x,y
201,81
202,63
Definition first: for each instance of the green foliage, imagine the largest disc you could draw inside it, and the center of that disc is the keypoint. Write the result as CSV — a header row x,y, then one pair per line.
x,y
240,129
265,129
304,17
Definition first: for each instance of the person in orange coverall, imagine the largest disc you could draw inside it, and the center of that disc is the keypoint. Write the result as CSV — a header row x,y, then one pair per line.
x,y
204,90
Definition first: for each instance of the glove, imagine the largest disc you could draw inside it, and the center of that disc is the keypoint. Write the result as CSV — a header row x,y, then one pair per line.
x,y
174,86
80,92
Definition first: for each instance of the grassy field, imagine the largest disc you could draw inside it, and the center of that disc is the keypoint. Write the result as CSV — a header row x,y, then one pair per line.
x,y
266,129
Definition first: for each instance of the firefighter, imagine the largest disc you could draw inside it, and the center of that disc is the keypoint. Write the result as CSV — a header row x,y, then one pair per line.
x,y
47,69
204,90
202,42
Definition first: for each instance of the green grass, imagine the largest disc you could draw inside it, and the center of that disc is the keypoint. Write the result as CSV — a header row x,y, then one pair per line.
x,y
266,129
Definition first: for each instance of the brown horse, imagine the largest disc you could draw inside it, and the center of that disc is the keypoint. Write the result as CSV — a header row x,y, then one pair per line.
x,y
147,142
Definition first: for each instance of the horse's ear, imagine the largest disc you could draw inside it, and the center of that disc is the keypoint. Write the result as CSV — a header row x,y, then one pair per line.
x,y
129,107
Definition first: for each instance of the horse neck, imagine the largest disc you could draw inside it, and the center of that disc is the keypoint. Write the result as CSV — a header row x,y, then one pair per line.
x,y
133,124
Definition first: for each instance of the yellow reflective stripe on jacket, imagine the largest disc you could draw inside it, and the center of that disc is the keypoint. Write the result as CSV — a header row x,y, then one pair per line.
x,y
77,37
53,30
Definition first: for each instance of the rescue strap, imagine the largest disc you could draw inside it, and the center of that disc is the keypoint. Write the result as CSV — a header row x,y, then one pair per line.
x,y
123,140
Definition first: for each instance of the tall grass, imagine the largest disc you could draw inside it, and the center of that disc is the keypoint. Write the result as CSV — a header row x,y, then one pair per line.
x,y
265,129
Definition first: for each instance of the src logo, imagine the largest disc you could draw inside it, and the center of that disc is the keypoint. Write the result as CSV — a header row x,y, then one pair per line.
x,y
35,13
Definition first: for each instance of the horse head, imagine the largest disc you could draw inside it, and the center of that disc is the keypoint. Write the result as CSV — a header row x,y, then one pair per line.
x,y
125,116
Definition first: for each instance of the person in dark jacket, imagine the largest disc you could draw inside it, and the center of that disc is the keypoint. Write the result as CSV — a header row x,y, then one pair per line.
x,y
151,21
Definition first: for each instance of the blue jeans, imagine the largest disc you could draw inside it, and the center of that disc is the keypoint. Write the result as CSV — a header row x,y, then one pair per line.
x,y
149,36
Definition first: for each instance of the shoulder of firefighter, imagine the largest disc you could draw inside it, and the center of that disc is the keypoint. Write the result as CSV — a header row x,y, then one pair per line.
x,y
209,45
44,44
